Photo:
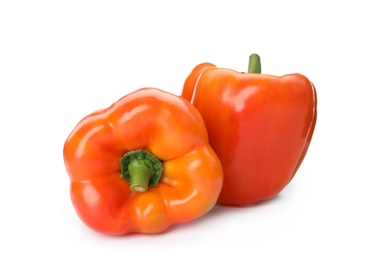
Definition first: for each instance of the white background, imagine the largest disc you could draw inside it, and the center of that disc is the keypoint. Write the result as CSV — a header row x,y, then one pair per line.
x,y
61,60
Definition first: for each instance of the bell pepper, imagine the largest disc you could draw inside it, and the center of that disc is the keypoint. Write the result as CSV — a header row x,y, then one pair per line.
x,y
260,126
142,164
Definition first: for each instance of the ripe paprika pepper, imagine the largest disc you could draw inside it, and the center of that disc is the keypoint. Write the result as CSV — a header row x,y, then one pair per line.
x,y
142,165
260,126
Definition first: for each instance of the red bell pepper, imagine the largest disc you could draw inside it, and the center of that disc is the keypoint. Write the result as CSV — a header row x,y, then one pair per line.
x,y
142,165
260,126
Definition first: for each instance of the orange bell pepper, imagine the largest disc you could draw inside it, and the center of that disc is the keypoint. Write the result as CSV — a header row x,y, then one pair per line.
x,y
142,165
260,126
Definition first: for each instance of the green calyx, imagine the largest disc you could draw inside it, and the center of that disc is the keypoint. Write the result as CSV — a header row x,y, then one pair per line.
x,y
141,170
254,64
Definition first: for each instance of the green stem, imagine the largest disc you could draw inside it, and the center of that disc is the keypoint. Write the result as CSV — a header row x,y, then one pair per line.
x,y
141,170
254,64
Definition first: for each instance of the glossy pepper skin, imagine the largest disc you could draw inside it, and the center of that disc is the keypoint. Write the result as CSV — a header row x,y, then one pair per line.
x,y
160,125
260,126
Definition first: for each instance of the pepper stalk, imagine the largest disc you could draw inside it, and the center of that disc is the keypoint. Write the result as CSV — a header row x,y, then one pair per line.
x,y
141,170
254,64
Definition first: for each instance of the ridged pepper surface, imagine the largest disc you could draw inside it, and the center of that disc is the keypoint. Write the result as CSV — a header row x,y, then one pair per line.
x,y
142,164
